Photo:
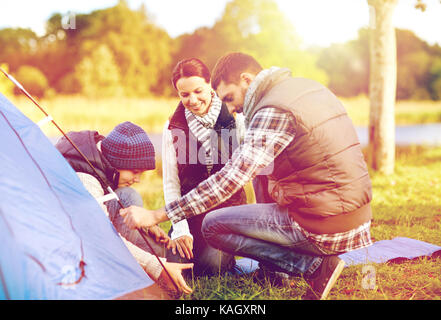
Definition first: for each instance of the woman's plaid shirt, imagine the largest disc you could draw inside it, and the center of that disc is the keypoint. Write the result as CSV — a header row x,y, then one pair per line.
x,y
269,133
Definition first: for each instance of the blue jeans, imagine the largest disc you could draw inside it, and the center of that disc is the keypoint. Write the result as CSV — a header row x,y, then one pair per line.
x,y
207,260
264,232
128,197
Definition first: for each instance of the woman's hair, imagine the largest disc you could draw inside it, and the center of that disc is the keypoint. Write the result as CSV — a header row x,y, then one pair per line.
x,y
190,68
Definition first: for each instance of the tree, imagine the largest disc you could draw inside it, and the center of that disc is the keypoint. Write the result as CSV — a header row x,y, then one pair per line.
x,y
6,86
256,27
17,46
33,80
343,61
98,74
435,74
382,86
414,58
259,28
141,50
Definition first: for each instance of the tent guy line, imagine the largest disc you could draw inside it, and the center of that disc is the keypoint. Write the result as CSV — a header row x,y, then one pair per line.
x,y
141,232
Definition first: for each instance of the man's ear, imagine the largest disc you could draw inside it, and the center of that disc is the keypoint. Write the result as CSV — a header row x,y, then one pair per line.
x,y
247,77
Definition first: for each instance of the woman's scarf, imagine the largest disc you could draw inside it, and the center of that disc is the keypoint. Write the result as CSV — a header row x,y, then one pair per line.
x,y
202,127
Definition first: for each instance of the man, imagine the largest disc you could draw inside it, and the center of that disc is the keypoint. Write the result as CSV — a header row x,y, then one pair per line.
x,y
119,161
318,180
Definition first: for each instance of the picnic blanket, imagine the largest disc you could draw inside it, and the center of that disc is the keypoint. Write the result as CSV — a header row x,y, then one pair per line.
x,y
395,250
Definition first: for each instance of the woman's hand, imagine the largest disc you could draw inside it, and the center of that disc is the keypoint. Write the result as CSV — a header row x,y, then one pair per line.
x,y
175,271
159,235
138,217
184,244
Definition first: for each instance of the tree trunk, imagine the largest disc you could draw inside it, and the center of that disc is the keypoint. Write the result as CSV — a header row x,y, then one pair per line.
x,y
382,86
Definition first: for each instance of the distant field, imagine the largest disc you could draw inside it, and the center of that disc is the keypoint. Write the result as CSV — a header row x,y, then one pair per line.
x,y
79,113
406,112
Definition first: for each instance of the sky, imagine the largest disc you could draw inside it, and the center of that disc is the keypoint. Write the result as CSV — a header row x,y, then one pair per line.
x,y
318,22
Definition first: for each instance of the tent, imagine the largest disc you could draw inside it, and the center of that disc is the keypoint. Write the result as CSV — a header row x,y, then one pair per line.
x,y
56,242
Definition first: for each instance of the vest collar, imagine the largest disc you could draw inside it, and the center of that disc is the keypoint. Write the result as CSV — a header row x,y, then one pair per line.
x,y
260,86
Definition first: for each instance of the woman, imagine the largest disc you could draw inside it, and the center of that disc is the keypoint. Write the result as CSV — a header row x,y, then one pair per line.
x,y
198,140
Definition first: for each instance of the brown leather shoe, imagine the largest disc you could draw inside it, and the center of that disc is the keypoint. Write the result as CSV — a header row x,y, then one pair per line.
x,y
324,278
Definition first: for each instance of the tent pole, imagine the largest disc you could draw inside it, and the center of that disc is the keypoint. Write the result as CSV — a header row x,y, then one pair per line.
x,y
141,232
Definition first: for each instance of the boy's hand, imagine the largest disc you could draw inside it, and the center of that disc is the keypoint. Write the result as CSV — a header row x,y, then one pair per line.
x,y
175,271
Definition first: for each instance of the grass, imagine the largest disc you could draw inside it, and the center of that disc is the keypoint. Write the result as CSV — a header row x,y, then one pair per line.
x,y
73,113
79,113
406,112
406,204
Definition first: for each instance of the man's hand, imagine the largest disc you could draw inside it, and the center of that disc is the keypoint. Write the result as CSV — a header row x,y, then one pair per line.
x,y
184,244
175,270
138,217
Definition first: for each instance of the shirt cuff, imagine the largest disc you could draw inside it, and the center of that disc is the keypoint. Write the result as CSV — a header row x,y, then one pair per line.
x,y
180,229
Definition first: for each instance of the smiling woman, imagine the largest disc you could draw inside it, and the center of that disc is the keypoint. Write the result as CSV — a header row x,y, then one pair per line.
x,y
195,94
191,80
190,153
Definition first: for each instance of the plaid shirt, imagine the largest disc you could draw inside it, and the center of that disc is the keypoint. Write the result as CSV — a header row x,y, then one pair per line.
x,y
269,133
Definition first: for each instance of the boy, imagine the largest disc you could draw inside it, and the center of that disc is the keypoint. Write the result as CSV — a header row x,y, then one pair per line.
x,y
120,159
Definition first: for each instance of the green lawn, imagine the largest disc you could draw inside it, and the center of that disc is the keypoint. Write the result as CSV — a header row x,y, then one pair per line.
x,y
406,204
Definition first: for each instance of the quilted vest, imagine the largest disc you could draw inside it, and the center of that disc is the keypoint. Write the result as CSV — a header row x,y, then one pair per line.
x,y
189,152
321,175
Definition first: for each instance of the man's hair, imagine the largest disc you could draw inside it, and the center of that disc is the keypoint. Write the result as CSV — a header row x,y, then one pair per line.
x,y
229,67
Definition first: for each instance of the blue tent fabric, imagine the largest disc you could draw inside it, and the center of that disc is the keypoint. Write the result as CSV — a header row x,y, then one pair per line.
x,y
395,250
49,224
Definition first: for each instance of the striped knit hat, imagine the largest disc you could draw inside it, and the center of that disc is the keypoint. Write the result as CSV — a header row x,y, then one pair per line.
x,y
129,147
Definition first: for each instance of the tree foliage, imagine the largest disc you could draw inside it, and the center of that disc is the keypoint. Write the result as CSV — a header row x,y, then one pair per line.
x,y
33,80
255,27
140,50
137,57
6,86
98,74
416,66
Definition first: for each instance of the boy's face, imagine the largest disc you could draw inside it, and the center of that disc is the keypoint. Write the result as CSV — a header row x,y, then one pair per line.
x,y
128,177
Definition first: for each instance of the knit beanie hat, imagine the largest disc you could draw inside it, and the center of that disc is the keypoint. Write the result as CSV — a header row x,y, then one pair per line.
x,y
129,147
